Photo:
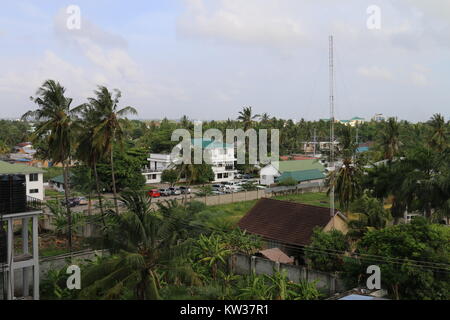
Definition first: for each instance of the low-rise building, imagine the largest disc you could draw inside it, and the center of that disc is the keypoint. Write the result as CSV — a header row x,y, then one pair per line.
x,y
34,177
220,155
379,117
310,170
287,225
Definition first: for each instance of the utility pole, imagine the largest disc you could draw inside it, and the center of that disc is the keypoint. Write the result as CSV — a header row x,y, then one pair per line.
x,y
331,70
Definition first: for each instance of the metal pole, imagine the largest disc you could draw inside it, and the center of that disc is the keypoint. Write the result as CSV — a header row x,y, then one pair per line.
x,y
331,67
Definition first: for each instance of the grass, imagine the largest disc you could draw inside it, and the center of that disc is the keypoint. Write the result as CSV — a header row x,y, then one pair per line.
x,y
228,215
53,193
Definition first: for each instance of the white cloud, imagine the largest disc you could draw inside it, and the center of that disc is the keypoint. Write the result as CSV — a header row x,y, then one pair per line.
x,y
250,22
419,75
375,72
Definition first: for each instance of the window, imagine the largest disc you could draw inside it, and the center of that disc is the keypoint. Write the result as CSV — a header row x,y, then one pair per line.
x,y
34,177
34,191
219,176
225,175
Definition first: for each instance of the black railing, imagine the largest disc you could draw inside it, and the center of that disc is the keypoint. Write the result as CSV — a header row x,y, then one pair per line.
x,y
33,204
19,206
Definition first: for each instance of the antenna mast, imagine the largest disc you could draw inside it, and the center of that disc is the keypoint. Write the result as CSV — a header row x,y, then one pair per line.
x,y
331,64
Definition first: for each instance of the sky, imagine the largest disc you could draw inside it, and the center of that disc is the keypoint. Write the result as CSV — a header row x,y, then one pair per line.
x,y
209,58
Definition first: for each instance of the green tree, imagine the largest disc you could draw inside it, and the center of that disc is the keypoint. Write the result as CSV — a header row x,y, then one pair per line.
x,y
247,117
108,130
346,182
326,250
170,175
439,133
390,141
4,149
142,246
414,260
55,123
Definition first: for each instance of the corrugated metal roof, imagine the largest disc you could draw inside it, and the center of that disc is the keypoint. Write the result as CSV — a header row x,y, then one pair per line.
x,y
304,175
8,168
298,165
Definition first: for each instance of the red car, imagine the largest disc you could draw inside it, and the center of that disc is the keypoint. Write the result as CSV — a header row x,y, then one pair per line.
x,y
154,193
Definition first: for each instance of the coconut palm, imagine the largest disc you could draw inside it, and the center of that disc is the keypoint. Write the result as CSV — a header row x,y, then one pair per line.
x,y
87,151
390,141
265,118
108,130
247,117
439,135
142,246
346,182
54,118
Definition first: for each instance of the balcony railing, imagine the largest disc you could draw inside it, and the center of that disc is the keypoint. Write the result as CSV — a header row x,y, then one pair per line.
x,y
31,204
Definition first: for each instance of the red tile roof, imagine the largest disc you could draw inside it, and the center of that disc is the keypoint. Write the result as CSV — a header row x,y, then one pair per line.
x,y
285,222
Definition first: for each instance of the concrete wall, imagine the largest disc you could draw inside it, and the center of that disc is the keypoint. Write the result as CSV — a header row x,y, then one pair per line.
x,y
55,263
325,282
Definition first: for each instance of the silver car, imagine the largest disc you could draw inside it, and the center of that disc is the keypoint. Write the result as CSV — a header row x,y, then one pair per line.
x,y
174,191
165,192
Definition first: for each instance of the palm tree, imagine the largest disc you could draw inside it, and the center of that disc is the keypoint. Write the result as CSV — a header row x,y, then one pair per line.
x,y
390,141
347,182
109,127
247,117
439,135
265,118
55,121
143,244
87,151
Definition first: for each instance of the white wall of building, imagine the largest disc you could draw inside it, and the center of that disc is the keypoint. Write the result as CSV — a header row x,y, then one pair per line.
x,y
268,175
35,189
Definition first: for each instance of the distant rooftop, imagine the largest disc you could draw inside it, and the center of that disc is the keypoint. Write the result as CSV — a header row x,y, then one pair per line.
x,y
298,165
8,168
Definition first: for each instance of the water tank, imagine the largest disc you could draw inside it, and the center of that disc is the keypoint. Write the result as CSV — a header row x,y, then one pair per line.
x,y
13,194
3,238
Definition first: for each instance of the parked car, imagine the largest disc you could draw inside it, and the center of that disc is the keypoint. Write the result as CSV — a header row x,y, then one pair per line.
x,y
218,187
165,192
217,192
72,202
82,201
174,191
185,190
154,193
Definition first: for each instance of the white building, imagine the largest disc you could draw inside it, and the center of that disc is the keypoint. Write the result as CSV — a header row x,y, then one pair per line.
x,y
220,155
308,170
157,164
378,117
34,177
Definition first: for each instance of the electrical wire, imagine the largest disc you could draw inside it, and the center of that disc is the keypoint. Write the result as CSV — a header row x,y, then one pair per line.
x,y
301,249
